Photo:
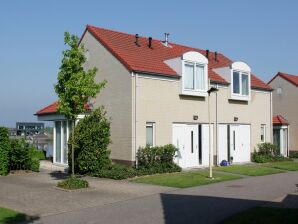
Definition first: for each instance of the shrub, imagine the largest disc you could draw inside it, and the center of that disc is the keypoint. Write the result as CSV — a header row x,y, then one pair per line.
x,y
267,152
159,156
91,139
38,154
268,149
73,183
4,151
23,157
119,172
116,172
293,154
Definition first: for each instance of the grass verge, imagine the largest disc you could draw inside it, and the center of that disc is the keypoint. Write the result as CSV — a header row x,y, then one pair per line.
x,y
72,183
184,179
9,216
249,170
263,215
285,165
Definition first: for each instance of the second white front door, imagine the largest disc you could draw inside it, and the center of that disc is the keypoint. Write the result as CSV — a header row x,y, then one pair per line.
x,y
192,141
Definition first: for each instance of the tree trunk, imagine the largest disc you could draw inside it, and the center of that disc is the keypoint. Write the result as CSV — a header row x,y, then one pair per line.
x,y
72,147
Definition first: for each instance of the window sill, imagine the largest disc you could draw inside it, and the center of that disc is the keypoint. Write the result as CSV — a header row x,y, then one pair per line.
x,y
240,97
194,93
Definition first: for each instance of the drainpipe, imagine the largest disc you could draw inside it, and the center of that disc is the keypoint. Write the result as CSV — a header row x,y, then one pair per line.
x,y
271,121
135,121
216,127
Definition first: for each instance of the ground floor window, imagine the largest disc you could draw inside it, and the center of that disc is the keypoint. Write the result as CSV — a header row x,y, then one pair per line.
x,y
150,134
263,133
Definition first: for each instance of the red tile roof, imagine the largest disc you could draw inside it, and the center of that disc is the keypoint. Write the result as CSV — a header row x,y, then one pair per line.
x,y
279,120
143,59
291,78
53,108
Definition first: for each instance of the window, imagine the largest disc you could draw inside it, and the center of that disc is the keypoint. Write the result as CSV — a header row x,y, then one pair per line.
x,y
279,90
194,77
150,130
263,133
240,83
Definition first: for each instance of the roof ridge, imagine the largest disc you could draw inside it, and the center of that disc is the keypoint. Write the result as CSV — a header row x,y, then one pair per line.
x,y
154,39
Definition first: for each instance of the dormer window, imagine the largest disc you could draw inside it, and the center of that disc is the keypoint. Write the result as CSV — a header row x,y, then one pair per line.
x,y
240,83
194,76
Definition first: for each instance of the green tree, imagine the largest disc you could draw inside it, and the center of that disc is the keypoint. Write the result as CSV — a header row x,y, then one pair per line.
x,y
75,85
4,151
91,140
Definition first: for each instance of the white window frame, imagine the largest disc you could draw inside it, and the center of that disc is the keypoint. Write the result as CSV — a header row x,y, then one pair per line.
x,y
151,124
263,127
195,91
240,95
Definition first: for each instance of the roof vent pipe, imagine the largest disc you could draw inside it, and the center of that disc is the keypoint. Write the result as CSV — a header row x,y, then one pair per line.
x,y
215,56
137,40
207,54
166,41
150,42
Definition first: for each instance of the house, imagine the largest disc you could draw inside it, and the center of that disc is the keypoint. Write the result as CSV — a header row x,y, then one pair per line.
x,y
285,103
29,128
156,94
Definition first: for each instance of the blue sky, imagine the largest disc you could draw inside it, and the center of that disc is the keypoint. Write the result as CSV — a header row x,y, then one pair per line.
x,y
262,33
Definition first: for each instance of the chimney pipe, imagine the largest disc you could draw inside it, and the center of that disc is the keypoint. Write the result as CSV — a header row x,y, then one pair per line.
x,y
150,42
215,56
137,40
207,53
166,41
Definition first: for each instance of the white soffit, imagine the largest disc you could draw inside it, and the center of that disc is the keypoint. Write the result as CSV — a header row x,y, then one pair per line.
x,y
195,56
240,66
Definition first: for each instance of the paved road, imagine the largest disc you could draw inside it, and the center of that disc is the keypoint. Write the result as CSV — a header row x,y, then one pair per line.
x,y
123,202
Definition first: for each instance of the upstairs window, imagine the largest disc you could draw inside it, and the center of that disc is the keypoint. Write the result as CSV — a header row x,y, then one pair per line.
x,y
194,77
240,83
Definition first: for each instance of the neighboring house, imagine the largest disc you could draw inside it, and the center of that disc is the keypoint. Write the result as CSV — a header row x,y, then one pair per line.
x,y
285,103
280,134
29,128
156,94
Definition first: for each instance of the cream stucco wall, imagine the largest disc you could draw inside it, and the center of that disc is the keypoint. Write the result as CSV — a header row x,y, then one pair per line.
x,y
286,104
115,97
159,101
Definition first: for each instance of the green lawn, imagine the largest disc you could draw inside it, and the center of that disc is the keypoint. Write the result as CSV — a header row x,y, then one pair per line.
x,y
185,179
285,165
249,170
264,215
9,216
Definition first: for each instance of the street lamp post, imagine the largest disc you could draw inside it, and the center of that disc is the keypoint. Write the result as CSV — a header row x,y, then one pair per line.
x,y
210,90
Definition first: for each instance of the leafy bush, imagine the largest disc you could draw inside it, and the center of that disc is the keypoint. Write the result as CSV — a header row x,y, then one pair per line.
x,y
38,154
267,152
151,160
116,172
4,151
73,183
91,139
268,149
119,172
159,156
293,154
23,157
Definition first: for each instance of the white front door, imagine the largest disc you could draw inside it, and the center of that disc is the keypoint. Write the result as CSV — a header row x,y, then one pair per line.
x,y
223,150
240,143
192,141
